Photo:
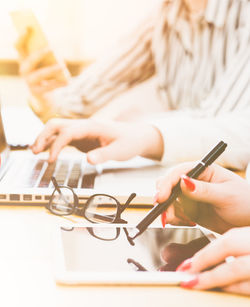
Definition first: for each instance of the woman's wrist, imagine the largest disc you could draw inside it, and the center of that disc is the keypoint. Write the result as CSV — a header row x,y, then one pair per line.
x,y
154,145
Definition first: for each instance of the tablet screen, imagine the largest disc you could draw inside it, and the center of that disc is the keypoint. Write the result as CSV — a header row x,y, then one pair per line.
x,y
107,249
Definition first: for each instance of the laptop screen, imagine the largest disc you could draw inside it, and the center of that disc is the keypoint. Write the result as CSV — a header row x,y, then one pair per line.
x,y
3,143
4,148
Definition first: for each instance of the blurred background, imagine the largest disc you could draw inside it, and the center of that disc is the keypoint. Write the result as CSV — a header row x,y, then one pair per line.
x,y
80,32
77,29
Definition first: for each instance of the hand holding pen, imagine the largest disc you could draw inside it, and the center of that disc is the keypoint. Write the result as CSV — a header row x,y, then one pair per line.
x,y
176,191
180,212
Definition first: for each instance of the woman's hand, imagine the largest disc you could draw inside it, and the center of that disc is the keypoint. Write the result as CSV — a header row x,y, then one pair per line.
x,y
212,270
111,140
45,78
219,200
40,69
42,73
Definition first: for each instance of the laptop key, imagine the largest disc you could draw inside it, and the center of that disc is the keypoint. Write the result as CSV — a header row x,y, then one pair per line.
x,y
35,173
45,180
62,173
88,181
74,175
14,197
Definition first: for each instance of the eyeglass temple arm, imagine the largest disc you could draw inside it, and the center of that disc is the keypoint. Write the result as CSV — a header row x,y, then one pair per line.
x,y
53,179
137,265
131,197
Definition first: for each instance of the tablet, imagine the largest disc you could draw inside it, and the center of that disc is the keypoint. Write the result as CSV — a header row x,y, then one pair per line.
x,y
25,19
103,254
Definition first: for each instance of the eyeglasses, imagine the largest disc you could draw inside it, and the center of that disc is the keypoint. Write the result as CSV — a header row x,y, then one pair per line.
x,y
99,208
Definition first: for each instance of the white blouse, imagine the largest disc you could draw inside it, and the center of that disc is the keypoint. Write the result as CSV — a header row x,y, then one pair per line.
x,y
202,68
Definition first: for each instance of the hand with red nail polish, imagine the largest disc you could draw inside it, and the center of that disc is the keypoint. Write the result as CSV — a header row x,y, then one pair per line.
x,y
218,199
188,183
191,283
164,219
185,265
215,269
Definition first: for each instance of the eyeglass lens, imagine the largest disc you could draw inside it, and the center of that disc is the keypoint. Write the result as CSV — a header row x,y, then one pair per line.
x,y
101,208
62,201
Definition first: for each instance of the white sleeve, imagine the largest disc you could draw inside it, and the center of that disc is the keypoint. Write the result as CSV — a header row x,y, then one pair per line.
x,y
118,71
223,115
189,137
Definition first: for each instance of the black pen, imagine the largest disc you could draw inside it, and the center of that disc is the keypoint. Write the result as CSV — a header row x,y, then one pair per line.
x,y
176,191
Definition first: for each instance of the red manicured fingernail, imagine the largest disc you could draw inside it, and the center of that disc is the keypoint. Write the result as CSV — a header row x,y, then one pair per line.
x,y
185,265
164,219
188,182
190,284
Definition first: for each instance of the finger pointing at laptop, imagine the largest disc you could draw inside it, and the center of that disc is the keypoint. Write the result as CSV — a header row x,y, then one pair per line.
x,y
113,140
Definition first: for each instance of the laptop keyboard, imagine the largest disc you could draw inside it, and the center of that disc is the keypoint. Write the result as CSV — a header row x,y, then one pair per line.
x,y
70,174
36,173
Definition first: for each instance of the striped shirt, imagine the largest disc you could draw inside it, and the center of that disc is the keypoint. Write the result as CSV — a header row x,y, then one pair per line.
x,y
202,68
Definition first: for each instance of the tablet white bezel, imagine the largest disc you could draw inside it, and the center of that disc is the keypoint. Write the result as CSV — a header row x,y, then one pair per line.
x,y
63,276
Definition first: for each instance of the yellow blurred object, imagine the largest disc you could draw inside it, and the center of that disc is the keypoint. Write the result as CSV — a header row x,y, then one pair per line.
x,y
40,108
28,26
45,111
32,39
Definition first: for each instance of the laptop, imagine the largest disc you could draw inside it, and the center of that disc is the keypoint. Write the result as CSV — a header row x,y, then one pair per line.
x,y
25,178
